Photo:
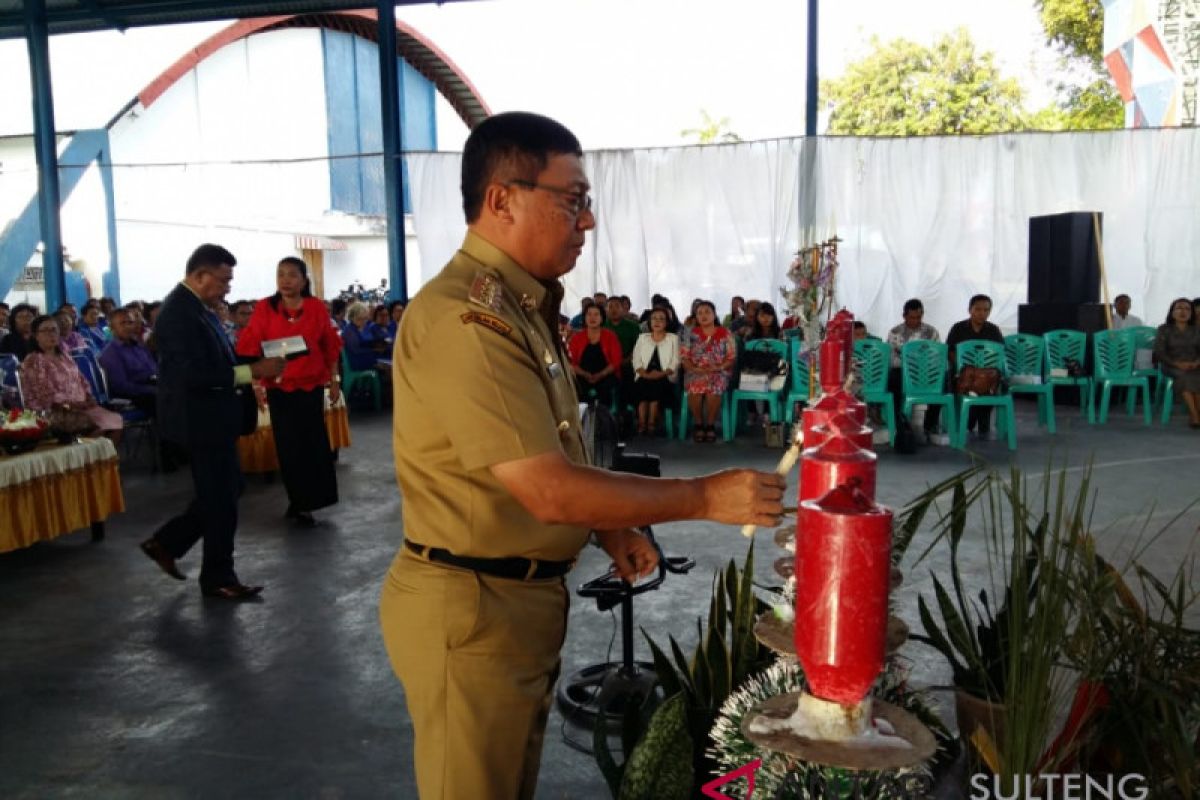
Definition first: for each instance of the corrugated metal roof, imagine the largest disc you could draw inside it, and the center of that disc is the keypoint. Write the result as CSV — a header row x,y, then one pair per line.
x,y
77,16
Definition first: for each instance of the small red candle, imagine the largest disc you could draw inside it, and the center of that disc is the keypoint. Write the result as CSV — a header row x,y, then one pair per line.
x,y
844,424
827,407
837,461
843,558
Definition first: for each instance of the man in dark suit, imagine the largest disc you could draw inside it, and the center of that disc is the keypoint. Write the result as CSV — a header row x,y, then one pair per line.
x,y
200,407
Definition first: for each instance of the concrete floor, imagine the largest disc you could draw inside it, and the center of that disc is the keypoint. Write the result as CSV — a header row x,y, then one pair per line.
x,y
117,682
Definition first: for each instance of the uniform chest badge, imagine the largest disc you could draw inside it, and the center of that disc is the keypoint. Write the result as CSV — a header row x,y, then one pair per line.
x,y
486,291
528,303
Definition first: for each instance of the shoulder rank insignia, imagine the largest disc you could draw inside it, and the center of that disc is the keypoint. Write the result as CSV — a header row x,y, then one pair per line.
x,y
487,321
486,291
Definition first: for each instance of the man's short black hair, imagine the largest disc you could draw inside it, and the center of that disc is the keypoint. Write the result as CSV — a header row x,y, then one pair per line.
x,y
337,306
511,146
914,305
859,325
1121,297
979,298
209,256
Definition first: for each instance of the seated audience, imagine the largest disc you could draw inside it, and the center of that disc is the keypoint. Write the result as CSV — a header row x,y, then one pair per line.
x,y
52,382
395,314
595,355
655,362
70,338
379,329
577,320
627,333
337,312
860,330
239,314
20,339
131,368
1121,317
744,324
765,325
90,328
976,326
1177,350
4,308
737,308
707,357
359,348
912,328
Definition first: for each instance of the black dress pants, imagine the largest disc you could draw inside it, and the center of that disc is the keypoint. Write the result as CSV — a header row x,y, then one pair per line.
x,y
302,444
212,515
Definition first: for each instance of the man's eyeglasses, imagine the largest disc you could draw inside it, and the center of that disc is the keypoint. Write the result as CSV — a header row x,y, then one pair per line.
x,y
577,202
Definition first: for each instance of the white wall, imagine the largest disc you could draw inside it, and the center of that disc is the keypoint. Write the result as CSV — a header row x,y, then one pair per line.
x,y
256,99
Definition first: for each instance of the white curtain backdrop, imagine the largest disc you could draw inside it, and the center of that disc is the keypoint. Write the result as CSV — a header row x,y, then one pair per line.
x,y
936,218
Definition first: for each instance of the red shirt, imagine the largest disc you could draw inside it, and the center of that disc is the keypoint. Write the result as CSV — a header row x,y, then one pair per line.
x,y
311,321
609,343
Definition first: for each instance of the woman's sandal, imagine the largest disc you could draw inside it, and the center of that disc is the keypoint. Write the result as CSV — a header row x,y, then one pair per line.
x,y
710,434
698,434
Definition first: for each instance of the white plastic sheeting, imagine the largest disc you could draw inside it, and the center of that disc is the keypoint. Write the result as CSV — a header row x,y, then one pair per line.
x,y
937,218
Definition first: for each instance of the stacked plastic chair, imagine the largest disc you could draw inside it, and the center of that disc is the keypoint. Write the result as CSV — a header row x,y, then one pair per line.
x,y
1114,353
1063,347
1025,355
923,366
874,360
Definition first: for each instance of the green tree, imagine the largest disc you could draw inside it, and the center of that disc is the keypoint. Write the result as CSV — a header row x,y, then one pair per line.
x,y
905,89
711,131
1088,100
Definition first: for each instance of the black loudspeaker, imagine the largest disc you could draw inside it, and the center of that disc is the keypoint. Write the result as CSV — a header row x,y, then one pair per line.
x,y
1041,317
1064,259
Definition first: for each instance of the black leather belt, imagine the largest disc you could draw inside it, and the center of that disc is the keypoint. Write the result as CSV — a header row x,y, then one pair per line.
x,y
519,569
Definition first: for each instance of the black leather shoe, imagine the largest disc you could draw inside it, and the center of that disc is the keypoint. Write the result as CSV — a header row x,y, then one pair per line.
x,y
159,555
234,591
303,519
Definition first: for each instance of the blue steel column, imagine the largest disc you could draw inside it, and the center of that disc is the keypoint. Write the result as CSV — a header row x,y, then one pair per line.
x,y
813,91
112,278
46,150
393,165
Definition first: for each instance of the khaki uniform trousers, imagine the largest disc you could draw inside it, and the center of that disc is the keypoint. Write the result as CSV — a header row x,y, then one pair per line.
x,y
478,657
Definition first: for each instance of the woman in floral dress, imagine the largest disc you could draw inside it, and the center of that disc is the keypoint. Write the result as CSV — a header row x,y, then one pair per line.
x,y
707,357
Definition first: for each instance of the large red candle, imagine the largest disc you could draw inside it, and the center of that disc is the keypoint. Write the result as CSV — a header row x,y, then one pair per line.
x,y
843,559
837,461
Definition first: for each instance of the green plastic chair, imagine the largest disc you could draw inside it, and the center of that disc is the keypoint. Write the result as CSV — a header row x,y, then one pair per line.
x,y
1143,337
351,378
774,399
982,353
875,358
923,366
1062,345
1024,354
1113,352
1167,384
799,375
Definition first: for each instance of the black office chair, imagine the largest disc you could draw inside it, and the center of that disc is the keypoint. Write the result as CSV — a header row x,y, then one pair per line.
x,y
604,688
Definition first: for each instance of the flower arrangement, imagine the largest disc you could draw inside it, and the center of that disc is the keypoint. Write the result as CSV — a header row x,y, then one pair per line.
x,y
21,430
810,299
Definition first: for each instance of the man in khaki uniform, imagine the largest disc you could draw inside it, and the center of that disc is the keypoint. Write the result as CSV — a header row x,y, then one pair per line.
x,y
498,497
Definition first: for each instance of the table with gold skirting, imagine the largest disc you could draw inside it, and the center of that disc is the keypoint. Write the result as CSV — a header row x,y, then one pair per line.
x,y
257,450
57,489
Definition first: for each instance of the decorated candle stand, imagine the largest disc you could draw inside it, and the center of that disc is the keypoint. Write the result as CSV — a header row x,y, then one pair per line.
x,y
843,577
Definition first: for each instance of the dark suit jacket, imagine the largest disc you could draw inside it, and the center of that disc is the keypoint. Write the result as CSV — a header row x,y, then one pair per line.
x,y
197,399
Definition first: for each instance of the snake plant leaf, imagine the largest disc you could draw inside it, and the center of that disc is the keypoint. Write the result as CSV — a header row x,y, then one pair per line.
x,y
668,679
612,772
937,640
702,673
683,668
721,667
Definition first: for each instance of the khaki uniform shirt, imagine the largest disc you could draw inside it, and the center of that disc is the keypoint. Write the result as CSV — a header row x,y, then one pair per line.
x,y
480,378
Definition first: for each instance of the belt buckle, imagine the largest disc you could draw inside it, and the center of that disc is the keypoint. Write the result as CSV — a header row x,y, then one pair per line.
x,y
533,566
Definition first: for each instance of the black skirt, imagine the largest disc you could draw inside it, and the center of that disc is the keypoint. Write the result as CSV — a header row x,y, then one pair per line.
x,y
302,444
657,390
